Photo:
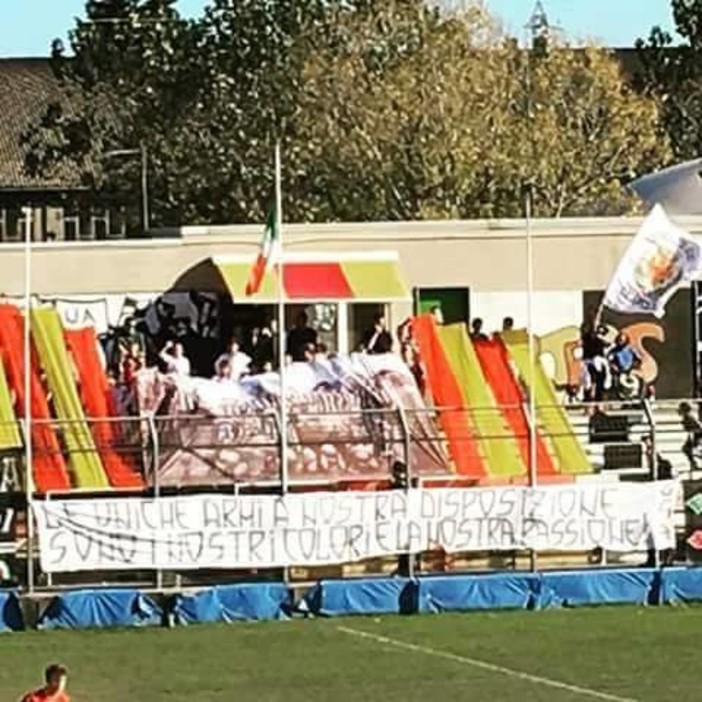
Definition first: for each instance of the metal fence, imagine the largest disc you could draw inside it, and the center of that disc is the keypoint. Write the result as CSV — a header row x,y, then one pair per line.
x,y
390,449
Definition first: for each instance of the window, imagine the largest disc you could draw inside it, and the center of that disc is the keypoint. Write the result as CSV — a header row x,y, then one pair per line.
x,y
118,223
52,223
99,224
10,224
70,224
320,316
360,320
16,229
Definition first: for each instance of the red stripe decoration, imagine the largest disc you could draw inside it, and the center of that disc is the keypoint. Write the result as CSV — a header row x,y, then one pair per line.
x,y
256,275
316,281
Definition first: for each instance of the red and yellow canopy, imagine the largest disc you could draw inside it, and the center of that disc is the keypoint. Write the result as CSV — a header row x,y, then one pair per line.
x,y
313,278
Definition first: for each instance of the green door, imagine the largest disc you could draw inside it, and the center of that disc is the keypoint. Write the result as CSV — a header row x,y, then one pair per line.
x,y
454,303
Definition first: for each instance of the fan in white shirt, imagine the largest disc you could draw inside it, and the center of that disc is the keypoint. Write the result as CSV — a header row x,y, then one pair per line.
x,y
239,362
173,355
223,370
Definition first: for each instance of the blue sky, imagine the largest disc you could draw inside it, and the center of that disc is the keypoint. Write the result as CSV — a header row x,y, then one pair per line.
x,y
28,26
610,22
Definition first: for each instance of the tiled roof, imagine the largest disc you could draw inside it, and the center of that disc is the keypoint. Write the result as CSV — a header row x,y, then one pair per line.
x,y
27,88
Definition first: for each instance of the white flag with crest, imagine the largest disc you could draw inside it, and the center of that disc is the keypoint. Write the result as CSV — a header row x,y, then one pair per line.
x,y
660,258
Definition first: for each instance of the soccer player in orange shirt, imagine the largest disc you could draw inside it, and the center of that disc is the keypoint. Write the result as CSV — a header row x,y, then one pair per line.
x,y
56,677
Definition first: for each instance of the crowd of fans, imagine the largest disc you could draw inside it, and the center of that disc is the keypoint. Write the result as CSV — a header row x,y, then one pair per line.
x,y
608,367
258,353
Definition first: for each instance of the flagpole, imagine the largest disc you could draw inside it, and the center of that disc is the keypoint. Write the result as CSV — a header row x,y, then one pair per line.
x,y
533,472
533,468
281,327
528,198
598,314
29,474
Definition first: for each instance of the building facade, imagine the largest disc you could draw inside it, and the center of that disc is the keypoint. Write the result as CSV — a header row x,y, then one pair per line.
x,y
63,209
470,269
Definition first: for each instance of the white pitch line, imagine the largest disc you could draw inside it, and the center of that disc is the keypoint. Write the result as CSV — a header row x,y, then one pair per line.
x,y
483,665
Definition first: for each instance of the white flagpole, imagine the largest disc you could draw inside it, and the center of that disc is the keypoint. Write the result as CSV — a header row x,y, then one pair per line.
x,y
29,475
533,468
281,326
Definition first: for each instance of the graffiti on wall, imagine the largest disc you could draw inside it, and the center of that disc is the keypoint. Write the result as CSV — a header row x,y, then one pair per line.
x,y
561,354
664,345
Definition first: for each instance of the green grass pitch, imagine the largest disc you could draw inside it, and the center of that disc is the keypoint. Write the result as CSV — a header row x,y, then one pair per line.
x,y
647,655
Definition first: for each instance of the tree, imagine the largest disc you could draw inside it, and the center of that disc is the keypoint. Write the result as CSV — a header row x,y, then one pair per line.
x,y
465,120
254,53
207,97
387,109
673,73
588,133
131,81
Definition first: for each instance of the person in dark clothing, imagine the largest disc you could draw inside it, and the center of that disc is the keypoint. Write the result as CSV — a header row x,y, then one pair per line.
x,y
663,471
592,341
693,428
597,378
378,339
262,347
300,337
406,562
476,330
663,468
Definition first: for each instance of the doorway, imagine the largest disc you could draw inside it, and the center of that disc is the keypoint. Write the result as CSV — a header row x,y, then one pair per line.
x,y
453,302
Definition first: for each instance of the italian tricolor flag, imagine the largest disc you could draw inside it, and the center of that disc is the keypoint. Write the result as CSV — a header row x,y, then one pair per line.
x,y
267,255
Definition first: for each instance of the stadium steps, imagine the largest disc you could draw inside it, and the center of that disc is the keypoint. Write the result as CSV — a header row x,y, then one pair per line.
x,y
669,440
595,451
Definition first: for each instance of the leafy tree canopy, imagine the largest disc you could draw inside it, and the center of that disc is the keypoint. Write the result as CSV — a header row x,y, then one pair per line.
x,y
671,70
386,109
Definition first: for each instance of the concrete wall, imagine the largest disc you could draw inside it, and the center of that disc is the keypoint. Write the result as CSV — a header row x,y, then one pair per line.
x,y
489,256
98,282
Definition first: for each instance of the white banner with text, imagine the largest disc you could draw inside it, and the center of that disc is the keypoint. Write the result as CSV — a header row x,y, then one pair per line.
x,y
259,531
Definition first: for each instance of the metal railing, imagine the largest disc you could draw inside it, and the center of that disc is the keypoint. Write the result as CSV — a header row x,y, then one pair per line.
x,y
192,453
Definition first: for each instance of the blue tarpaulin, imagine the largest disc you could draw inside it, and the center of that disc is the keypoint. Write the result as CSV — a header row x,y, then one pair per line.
x,y
10,612
246,602
85,609
680,585
598,587
466,592
389,595
431,594
365,596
